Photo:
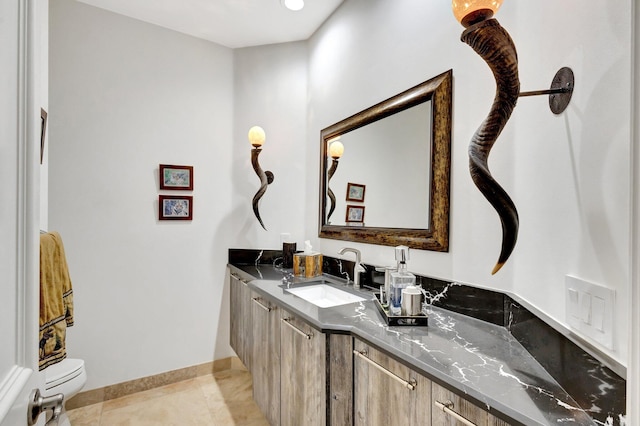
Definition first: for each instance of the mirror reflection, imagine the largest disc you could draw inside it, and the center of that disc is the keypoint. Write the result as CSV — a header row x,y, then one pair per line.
x,y
385,170
388,161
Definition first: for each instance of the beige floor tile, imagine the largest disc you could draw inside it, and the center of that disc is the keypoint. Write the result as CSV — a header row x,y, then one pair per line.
x,y
230,400
221,399
181,408
86,416
148,395
231,385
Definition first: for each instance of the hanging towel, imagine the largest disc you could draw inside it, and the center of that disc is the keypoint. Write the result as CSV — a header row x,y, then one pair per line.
x,y
56,300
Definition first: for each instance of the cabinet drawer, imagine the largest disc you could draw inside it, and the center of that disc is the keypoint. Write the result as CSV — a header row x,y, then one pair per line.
x,y
387,392
452,410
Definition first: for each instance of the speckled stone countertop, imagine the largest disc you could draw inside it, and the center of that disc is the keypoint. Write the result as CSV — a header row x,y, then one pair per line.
x,y
479,360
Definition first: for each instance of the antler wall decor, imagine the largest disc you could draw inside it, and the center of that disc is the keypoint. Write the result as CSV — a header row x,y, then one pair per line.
x,y
492,42
257,138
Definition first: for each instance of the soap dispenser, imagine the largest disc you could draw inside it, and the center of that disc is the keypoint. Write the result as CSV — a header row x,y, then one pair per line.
x,y
400,279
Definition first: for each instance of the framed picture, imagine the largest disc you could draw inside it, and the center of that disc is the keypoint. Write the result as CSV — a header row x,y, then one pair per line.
x,y
175,207
43,131
355,214
355,192
176,177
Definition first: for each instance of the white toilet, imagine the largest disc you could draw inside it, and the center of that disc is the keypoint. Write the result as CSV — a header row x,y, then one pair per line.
x,y
67,377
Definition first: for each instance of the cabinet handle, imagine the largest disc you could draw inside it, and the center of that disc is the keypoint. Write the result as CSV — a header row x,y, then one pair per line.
x,y
411,385
239,278
447,407
257,300
296,329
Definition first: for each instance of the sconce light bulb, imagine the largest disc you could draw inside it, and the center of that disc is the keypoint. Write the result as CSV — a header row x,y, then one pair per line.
x,y
469,12
336,149
294,5
256,136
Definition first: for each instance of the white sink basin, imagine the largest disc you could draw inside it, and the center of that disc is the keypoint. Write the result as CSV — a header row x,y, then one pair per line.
x,y
325,296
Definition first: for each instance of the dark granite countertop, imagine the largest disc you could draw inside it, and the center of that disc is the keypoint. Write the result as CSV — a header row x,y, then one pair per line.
x,y
477,359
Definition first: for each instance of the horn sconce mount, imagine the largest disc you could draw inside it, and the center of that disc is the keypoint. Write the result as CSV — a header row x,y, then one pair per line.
x,y
494,45
256,138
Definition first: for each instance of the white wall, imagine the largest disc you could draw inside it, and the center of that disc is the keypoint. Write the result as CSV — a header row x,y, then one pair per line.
x,y
270,90
126,96
568,175
573,171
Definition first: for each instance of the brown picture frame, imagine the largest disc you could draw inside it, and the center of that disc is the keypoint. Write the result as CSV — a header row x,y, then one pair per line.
x,y
178,178
175,207
354,214
355,192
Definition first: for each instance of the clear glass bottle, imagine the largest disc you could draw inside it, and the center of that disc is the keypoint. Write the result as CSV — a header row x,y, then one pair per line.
x,y
400,279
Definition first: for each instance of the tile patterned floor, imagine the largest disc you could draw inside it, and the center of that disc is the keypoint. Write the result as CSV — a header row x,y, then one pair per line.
x,y
219,399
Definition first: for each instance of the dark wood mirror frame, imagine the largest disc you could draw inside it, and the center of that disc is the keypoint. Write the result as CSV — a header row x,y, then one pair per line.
x,y
438,90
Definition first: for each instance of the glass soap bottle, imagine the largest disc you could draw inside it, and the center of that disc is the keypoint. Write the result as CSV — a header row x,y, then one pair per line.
x,y
400,279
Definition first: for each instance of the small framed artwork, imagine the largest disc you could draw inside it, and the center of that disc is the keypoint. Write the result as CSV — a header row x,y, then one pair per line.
x,y
355,192
43,131
176,177
175,207
355,214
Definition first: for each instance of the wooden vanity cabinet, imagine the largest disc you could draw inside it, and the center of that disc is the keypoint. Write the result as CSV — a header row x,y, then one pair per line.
x,y
454,406
241,319
303,373
265,359
387,392
302,376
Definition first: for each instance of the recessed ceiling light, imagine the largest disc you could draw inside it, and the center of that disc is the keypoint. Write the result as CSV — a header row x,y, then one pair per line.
x,y
293,4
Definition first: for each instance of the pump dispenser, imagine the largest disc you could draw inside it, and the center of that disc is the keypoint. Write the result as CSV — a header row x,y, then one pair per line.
x,y
400,279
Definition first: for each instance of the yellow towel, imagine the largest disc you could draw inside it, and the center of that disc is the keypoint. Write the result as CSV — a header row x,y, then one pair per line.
x,y
56,300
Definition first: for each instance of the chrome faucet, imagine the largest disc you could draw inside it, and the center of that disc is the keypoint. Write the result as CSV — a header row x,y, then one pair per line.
x,y
358,268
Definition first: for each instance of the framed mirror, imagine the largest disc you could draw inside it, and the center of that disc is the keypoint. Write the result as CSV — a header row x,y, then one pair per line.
x,y
393,161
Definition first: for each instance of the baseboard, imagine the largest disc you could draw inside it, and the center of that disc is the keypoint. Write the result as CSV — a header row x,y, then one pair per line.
x,y
118,390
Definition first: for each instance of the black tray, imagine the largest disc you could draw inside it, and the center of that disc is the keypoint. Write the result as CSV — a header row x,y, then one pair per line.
x,y
420,319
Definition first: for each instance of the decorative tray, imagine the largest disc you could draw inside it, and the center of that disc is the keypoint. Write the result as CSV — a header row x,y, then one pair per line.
x,y
420,319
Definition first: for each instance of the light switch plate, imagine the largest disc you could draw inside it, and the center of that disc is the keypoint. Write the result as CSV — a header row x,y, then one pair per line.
x,y
589,310
597,313
573,303
585,307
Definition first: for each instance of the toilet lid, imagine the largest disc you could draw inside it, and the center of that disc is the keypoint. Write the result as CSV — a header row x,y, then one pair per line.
x,y
63,371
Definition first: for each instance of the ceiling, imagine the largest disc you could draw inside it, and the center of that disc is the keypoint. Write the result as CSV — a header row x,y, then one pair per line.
x,y
231,23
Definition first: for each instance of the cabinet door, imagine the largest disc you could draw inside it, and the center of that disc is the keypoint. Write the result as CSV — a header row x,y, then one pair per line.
x,y
240,320
303,373
458,409
265,359
340,368
387,392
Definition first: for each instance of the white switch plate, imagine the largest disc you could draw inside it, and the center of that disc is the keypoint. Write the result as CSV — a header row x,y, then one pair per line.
x,y
585,307
589,309
597,313
573,303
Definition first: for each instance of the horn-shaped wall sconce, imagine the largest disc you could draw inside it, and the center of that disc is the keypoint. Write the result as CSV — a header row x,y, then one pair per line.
x,y
336,149
492,42
257,138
